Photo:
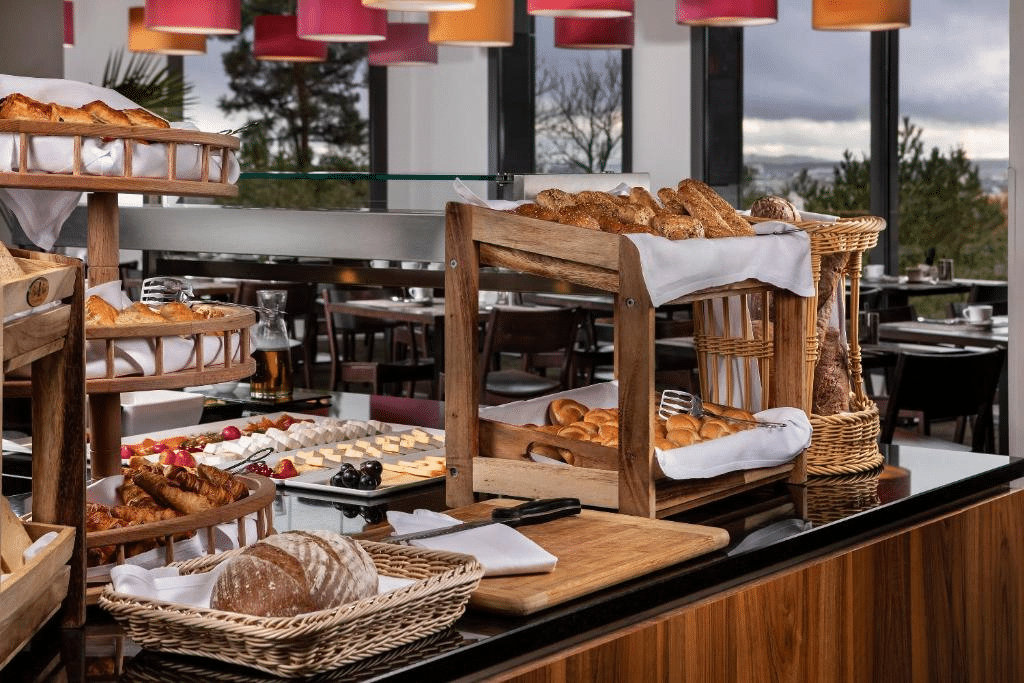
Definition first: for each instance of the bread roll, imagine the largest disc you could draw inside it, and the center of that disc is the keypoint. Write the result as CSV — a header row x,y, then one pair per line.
x,y
99,312
554,199
138,313
737,225
178,312
564,411
775,207
641,197
676,227
316,570
23,108
10,269
714,428
600,416
104,113
143,118
62,114
699,207
581,219
682,421
683,437
671,201
534,211
635,213
615,226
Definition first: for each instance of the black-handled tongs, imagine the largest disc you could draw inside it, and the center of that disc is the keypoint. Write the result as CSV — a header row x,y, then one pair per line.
x,y
531,512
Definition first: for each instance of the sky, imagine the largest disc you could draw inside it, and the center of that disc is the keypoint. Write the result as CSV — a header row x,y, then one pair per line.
x,y
806,92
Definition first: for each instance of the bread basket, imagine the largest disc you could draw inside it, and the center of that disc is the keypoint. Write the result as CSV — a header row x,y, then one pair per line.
x,y
318,641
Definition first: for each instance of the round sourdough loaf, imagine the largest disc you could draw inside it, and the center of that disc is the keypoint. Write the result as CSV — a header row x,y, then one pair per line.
x,y
293,573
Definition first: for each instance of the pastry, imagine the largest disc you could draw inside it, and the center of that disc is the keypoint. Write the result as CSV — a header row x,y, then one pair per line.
x,y
23,108
61,114
138,313
143,118
778,208
737,225
178,312
165,493
99,312
104,113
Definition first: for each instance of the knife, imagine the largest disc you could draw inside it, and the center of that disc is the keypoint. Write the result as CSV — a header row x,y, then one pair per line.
x,y
530,512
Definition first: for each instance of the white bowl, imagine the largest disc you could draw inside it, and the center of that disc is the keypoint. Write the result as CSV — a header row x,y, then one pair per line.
x,y
153,411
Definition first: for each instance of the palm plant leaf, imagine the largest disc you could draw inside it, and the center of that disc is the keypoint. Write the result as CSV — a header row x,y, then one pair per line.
x,y
146,80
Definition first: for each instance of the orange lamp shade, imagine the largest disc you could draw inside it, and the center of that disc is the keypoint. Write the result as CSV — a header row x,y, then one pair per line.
x,y
275,40
726,12
406,45
594,34
591,9
860,15
143,39
212,17
421,5
489,24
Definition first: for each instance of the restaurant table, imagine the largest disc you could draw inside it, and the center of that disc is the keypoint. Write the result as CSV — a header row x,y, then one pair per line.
x,y
961,334
906,573
896,291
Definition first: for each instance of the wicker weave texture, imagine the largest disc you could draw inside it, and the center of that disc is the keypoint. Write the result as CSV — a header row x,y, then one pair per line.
x,y
318,641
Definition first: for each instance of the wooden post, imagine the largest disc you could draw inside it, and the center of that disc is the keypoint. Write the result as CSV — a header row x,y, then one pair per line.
x,y
634,347
795,351
462,378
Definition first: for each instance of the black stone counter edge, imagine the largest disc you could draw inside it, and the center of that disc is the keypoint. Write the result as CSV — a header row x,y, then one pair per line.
x,y
593,616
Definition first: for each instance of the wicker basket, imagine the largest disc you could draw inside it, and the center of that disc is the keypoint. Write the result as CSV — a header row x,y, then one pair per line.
x,y
833,498
318,641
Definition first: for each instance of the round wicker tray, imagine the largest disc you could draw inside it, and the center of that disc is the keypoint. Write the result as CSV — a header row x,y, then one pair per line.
x,y
833,498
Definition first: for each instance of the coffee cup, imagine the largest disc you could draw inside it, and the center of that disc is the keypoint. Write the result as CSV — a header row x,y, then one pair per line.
x,y
978,313
874,271
916,274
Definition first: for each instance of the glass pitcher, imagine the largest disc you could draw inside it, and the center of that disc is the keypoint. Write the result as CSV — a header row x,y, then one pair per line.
x,y
273,377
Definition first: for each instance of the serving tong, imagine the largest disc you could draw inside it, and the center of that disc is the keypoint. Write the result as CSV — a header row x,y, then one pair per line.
x,y
163,290
676,402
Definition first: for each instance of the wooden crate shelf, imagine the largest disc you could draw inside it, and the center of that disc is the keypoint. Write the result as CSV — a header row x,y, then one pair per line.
x,y
485,456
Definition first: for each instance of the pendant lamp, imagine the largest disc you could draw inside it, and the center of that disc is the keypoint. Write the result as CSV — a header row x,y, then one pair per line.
x,y
213,17
69,23
489,24
143,39
340,21
593,9
421,5
726,12
860,15
275,40
594,34
406,45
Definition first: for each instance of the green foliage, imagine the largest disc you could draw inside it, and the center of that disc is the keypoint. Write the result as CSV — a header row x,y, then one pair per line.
x,y
306,117
942,205
146,80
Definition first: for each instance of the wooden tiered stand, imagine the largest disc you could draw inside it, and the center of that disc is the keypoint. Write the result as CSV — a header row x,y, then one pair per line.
x,y
478,450
51,341
103,247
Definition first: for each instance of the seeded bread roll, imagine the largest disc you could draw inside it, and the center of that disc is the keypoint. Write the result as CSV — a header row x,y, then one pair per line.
x,y
737,225
775,207
10,269
676,227
535,211
641,197
581,219
671,201
554,199
700,208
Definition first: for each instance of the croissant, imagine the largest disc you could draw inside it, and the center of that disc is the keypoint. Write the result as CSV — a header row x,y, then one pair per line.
x,y
98,518
219,477
218,495
133,514
167,494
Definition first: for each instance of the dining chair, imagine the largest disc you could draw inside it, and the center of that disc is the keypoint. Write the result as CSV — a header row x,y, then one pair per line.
x,y
525,332
947,386
380,373
300,306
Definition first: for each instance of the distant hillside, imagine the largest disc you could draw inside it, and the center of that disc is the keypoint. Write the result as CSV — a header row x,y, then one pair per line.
x,y
772,174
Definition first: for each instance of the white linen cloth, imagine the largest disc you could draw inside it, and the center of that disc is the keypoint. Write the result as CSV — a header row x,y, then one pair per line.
x,y
501,550
165,583
42,213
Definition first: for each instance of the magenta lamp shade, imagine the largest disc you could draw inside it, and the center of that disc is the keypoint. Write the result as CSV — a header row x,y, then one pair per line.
x,y
212,17
594,34
69,23
275,40
727,12
406,45
593,9
340,21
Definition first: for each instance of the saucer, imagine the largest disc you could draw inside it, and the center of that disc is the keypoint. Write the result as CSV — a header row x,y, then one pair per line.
x,y
983,325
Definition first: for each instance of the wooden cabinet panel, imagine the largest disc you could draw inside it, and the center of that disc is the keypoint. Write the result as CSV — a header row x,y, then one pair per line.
x,y
941,601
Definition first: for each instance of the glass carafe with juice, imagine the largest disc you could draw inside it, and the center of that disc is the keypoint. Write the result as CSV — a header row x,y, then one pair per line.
x,y
273,377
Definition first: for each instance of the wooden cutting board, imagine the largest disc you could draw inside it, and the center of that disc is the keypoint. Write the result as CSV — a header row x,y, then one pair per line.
x,y
595,550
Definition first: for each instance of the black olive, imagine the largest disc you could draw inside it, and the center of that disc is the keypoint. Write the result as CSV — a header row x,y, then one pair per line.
x,y
347,466
350,478
350,511
337,479
368,482
374,514
372,467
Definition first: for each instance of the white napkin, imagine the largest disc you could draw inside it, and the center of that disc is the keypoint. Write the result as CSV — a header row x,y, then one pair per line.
x,y
38,545
746,450
42,213
501,550
165,583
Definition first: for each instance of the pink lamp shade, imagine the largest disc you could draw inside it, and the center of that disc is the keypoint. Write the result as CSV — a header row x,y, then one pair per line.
x,y
727,12
592,9
69,23
421,5
860,15
594,34
406,45
275,40
213,17
340,21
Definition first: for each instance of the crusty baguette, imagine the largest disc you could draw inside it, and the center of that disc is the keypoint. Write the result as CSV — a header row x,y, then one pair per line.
x,y
700,208
737,225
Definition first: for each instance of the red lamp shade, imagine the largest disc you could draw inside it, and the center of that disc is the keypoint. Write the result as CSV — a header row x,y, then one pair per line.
x,y
860,15
340,21
406,45
69,23
594,34
727,12
593,9
276,41
223,17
